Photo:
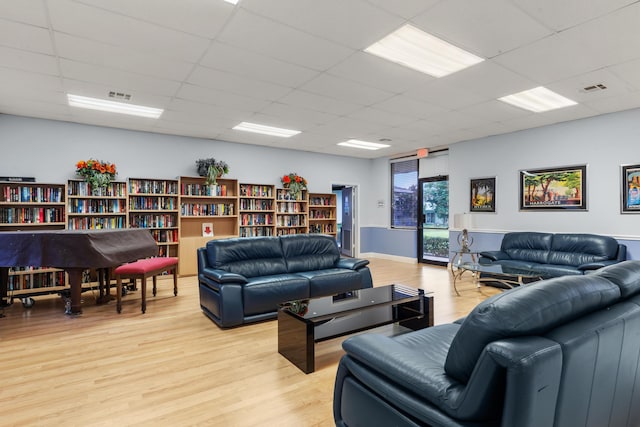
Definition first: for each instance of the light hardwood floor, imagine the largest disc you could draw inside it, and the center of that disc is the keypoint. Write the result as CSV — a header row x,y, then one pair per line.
x,y
174,367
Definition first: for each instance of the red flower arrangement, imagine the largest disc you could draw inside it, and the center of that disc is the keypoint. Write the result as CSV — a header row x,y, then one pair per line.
x,y
96,172
295,183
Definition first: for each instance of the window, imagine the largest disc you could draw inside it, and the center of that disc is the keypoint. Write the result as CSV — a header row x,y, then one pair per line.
x,y
404,193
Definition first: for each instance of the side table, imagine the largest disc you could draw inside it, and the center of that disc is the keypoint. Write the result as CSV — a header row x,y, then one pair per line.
x,y
457,258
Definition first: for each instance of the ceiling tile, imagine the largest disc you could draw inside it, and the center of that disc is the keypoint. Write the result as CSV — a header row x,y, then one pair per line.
x,y
229,82
618,103
303,117
119,30
28,61
560,15
573,88
486,28
494,111
357,25
320,103
345,90
24,36
229,100
259,34
407,106
404,8
120,58
375,115
202,18
490,80
373,71
629,72
250,64
444,95
580,49
26,11
120,81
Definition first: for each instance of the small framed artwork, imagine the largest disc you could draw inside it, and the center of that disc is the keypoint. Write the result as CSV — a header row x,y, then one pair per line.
x,y
562,188
631,189
483,195
207,229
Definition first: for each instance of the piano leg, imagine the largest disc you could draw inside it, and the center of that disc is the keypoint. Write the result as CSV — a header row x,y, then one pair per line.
x,y
75,283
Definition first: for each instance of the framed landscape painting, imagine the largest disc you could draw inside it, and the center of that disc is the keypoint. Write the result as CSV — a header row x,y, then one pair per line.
x,y
562,188
483,195
631,189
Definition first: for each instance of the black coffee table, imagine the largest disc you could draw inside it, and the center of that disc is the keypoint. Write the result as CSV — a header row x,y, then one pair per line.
x,y
303,323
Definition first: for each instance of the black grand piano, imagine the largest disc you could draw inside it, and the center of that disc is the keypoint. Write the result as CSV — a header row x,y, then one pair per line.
x,y
72,251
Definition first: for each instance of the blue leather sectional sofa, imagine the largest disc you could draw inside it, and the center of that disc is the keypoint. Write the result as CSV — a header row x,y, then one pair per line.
x,y
242,280
553,255
562,352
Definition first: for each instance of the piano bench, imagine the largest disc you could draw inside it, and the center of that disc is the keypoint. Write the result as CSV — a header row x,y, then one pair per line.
x,y
143,269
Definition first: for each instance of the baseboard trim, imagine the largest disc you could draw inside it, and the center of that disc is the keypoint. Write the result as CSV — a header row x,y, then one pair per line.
x,y
389,257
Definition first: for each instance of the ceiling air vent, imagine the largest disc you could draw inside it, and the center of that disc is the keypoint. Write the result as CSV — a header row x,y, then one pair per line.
x,y
120,96
594,88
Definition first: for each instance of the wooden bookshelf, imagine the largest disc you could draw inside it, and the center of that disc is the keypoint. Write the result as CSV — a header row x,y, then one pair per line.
x,y
201,205
95,209
153,204
257,209
322,214
30,206
291,213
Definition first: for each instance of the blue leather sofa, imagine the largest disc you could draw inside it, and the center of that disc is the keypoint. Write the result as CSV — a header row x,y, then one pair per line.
x,y
562,352
242,280
553,255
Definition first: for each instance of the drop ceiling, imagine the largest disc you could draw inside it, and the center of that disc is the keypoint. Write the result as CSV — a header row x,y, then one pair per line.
x,y
300,64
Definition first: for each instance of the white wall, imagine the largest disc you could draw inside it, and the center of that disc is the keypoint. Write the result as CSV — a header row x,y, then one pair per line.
x,y
50,149
603,143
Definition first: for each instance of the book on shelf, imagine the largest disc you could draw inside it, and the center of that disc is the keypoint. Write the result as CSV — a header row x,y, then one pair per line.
x,y
207,229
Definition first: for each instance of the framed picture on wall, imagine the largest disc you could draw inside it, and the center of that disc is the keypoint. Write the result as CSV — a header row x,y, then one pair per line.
x,y
562,188
483,195
630,188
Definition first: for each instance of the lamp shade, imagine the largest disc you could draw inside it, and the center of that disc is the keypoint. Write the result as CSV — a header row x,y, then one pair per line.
x,y
463,221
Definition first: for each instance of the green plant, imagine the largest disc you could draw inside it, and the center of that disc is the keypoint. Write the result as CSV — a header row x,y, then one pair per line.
x,y
295,183
211,169
96,172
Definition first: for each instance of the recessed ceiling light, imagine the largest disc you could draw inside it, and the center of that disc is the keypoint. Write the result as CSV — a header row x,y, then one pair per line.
x,y
538,100
113,106
423,52
266,130
232,1
354,143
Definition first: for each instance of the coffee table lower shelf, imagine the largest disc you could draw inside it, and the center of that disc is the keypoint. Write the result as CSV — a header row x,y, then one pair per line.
x,y
339,315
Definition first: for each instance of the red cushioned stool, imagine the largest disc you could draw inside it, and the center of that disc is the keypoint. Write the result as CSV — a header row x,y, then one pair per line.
x,y
143,269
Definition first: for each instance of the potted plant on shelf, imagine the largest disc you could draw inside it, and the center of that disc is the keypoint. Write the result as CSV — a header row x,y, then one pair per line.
x,y
212,169
97,173
294,183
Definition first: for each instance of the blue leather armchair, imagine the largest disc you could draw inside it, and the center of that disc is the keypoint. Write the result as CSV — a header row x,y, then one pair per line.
x,y
553,255
562,352
242,280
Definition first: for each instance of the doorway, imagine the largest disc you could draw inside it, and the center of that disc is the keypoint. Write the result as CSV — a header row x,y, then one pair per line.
x,y
346,197
433,220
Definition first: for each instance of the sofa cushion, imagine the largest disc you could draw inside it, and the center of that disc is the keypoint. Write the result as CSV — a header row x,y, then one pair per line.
x,y
626,275
331,281
528,310
528,246
247,256
555,270
307,252
262,294
577,249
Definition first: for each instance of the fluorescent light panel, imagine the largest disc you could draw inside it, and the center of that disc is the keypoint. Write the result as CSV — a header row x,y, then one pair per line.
x,y
232,1
354,143
113,106
538,100
423,52
266,130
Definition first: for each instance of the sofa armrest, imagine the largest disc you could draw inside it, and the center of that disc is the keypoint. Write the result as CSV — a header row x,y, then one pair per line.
x,y
534,369
494,255
352,263
596,265
222,276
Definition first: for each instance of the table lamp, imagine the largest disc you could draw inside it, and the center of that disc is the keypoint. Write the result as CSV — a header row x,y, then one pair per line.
x,y
464,221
